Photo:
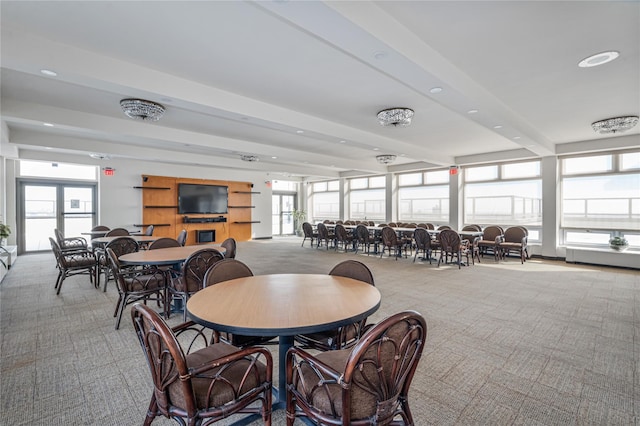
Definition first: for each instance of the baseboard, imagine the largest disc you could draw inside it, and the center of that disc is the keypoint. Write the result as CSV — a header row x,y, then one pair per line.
x,y
604,257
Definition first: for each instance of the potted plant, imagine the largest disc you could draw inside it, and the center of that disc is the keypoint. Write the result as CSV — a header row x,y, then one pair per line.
x,y
5,231
299,217
618,243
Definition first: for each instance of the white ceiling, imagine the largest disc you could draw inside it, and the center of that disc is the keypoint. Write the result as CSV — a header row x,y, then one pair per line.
x,y
243,77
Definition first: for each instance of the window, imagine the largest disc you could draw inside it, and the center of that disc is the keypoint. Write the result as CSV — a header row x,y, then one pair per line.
x,y
43,169
424,197
325,201
367,198
285,186
600,197
504,194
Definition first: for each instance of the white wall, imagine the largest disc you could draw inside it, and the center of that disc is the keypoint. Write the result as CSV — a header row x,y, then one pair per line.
x,y
121,205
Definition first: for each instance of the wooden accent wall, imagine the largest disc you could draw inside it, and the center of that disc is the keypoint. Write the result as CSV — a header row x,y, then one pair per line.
x,y
160,208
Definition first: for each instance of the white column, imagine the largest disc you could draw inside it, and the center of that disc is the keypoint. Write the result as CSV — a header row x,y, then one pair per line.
x,y
550,206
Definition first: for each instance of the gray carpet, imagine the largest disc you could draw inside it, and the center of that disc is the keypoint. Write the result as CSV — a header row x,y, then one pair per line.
x,y
544,343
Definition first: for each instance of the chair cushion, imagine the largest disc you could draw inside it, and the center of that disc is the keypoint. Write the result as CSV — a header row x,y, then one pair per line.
x,y
363,404
144,282
79,261
229,376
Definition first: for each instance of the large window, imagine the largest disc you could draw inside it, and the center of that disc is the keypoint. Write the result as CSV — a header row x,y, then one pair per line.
x,y
367,198
424,197
504,194
325,200
600,197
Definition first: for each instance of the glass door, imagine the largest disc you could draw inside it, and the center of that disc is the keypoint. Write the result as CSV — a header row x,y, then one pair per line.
x,y
282,206
44,206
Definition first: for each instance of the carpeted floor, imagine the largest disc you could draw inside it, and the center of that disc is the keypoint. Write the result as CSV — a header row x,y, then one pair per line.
x,y
544,343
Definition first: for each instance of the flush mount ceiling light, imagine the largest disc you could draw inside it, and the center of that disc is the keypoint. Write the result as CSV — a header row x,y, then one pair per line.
x,y
386,158
250,158
395,117
139,109
598,59
615,124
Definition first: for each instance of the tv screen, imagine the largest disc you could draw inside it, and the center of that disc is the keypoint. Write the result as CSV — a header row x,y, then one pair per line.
x,y
204,199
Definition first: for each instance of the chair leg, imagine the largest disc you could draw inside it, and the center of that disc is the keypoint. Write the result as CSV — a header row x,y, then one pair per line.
x,y
117,305
123,303
61,277
151,411
60,272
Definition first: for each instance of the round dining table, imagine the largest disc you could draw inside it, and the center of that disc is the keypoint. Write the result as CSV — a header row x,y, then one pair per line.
x,y
283,305
165,256
140,239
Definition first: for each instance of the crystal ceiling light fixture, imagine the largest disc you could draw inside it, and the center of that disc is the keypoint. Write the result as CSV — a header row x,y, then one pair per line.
x,y
140,109
249,158
615,124
386,158
395,117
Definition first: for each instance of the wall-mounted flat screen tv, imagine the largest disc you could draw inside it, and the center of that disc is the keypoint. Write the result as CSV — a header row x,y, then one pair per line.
x,y
202,199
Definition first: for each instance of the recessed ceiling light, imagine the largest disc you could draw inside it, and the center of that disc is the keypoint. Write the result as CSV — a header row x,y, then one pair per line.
x,y
497,127
343,141
49,73
376,149
436,90
47,124
47,147
598,59
274,157
299,132
472,111
515,138
380,55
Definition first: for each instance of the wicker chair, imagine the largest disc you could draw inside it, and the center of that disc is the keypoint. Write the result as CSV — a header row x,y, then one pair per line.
x,y
135,285
72,263
345,336
117,232
422,240
164,242
391,241
363,239
182,237
343,238
451,245
70,244
231,247
205,385
492,235
515,239
98,228
366,385
225,270
120,246
307,228
324,235
191,277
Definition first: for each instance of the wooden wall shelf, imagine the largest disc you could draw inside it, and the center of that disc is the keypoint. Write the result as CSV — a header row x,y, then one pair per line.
x,y
159,206
144,225
249,221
